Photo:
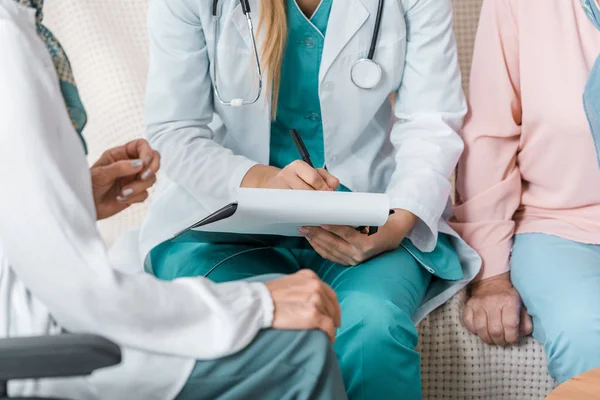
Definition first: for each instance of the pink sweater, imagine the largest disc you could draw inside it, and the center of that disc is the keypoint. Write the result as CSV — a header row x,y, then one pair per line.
x,y
529,164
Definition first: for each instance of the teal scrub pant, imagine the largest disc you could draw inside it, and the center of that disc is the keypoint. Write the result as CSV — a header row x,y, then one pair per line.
x,y
559,282
276,365
376,342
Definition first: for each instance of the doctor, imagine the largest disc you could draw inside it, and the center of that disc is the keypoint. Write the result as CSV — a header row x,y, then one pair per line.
x,y
55,274
327,70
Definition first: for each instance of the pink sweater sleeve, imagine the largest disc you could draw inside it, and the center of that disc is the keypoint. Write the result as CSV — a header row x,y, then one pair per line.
x,y
488,179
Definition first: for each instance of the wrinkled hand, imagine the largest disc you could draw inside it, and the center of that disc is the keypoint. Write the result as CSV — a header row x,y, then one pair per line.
x,y
303,302
122,177
298,176
346,246
496,313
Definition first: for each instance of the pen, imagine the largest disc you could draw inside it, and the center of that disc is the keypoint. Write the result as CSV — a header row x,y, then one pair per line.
x,y
306,158
301,147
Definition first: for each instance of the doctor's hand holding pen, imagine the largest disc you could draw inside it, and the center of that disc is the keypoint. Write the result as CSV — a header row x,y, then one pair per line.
x,y
298,175
122,177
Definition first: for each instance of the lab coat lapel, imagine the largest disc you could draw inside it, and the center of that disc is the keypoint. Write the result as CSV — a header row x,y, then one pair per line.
x,y
263,106
346,18
239,20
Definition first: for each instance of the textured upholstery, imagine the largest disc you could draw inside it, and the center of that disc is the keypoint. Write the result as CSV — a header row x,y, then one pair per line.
x,y
106,40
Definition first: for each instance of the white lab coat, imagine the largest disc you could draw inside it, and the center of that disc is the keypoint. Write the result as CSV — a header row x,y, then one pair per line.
x,y
409,150
54,270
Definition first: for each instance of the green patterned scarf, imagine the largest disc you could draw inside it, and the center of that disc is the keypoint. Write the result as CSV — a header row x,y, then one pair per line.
x,y
63,69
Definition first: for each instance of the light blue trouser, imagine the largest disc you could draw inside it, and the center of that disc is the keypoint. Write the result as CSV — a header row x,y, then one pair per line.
x,y
559,281
376,343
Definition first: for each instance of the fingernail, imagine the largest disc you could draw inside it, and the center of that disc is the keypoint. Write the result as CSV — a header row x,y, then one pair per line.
x,y
147,173
326,227
148,160
127,192
303,231
136,163
119,198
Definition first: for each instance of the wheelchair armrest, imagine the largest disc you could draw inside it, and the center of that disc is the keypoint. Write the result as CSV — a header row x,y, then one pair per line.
x,y
55,356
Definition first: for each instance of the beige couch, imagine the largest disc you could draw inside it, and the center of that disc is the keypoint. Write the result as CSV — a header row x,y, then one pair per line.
x,y
106,40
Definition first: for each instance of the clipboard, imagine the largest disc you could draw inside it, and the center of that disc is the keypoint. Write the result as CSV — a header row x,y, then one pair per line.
x,y
237,238
265,240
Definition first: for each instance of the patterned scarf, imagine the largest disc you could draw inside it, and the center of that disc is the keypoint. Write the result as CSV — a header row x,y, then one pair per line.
x,y
63,69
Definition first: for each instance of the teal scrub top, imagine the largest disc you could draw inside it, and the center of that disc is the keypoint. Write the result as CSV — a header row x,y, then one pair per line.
x,y
299,108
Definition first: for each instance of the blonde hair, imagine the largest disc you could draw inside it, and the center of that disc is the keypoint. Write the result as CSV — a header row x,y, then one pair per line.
x,y
273,20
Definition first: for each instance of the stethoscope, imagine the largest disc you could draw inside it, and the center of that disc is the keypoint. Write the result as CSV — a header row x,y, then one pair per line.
x,y
365,73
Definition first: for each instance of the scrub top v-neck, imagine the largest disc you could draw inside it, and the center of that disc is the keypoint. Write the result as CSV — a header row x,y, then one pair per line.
x,y
299,106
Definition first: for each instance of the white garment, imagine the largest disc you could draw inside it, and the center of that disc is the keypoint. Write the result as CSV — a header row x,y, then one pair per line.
x,y
409,151
54,269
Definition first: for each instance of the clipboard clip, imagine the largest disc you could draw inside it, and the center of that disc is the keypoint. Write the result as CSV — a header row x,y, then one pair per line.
x,y
219,215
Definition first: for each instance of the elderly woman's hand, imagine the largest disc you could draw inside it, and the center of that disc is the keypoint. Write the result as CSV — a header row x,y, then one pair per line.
x,y
496,312
122,177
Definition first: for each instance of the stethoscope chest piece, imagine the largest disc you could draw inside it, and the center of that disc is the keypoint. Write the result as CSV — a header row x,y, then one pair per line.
x,y
366,73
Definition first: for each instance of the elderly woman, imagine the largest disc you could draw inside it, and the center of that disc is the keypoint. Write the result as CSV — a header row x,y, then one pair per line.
x,y
55,274
529,182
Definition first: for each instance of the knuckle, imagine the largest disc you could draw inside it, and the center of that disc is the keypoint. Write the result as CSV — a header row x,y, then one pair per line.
x,y
314,285
303,273
511,324
317,300
358,257
286,172
313,313
309,273
479,325
496,330
314,178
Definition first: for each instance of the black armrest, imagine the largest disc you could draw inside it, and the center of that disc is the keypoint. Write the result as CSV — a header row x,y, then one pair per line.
x,y
55,356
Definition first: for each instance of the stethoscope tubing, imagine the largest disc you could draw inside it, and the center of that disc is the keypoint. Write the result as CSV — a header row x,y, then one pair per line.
x,y
245,5
376,30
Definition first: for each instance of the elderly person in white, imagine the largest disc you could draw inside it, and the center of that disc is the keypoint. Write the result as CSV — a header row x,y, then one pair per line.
x,y
55,273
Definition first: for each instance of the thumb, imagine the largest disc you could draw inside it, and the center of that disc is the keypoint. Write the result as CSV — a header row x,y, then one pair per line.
x,y
329,179
119,169
526,323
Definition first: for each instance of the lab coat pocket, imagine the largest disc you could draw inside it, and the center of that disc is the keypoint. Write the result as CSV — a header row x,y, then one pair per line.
x,y
591,102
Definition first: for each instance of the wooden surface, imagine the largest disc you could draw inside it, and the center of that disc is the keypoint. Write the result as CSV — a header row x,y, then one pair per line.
x,y
582,387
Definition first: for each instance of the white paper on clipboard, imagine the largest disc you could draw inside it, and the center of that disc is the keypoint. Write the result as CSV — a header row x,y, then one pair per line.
x,y
284,212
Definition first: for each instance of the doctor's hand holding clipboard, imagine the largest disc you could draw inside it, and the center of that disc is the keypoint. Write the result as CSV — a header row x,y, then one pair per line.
x,y
342,245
